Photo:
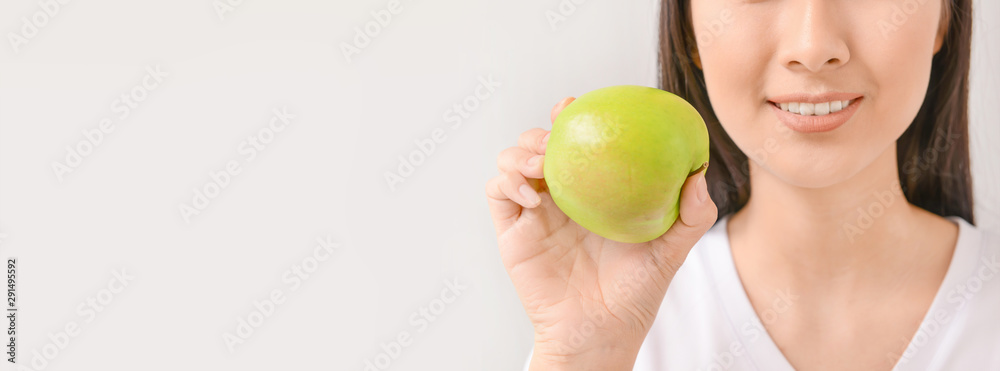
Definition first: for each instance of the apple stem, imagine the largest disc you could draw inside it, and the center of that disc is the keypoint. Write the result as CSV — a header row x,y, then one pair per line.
x,y
700,168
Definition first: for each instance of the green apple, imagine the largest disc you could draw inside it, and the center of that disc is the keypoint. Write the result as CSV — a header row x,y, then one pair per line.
x,y
617,158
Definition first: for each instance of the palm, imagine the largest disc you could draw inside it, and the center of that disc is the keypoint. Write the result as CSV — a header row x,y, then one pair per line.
x,y
574,283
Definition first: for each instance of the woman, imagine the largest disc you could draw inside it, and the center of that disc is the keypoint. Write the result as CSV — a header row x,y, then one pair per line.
x,y
856,248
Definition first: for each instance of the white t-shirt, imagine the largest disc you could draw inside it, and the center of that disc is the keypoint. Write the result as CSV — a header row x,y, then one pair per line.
x,y
706,321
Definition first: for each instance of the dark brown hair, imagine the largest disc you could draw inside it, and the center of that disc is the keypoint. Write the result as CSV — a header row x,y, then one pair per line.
x,y
932,154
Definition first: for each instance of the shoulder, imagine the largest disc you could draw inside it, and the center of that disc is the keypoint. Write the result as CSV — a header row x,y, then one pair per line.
x,y
976,267
969,301
977,250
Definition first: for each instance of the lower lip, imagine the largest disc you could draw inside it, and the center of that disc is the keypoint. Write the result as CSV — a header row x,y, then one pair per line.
x,y
816,124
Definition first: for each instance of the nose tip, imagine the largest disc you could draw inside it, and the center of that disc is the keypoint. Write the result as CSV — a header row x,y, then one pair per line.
x,y
816,43
815,65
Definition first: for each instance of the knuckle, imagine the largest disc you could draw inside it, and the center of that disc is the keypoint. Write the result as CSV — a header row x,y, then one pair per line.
x,y
530,138
505,183
494,188
529,169
525,166
510,177
490,186
505,157
525,136
513,180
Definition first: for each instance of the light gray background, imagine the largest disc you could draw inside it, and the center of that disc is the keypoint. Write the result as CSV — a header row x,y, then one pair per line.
x,y
322,177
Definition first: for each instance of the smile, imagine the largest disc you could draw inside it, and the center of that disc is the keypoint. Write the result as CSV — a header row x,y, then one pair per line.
x,y
806,117
814,109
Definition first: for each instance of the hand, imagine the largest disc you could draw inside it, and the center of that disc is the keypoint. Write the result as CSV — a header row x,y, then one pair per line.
x,y
591,300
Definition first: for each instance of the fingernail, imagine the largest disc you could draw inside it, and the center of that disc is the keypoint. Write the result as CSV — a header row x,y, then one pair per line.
x,y
702,188
529,194
534,160
545,140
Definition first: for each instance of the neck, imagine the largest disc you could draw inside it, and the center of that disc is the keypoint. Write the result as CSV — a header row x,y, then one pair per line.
x,y
834,230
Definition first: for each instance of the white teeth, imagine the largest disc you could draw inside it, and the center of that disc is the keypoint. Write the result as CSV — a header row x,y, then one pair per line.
x,y
817,109
807,109
822,109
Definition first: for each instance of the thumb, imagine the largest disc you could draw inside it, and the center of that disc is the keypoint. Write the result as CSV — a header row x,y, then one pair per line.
x,y
697,214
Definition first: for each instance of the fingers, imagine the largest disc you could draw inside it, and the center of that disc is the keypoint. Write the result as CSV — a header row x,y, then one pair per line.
x,y
520,160
507,194
559,107
534,140
514,187
697,214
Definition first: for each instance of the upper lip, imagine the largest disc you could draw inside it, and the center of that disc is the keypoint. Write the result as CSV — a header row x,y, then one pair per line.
x,y
814,98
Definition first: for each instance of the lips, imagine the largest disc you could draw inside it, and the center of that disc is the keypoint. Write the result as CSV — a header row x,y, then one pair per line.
x,y
814,109
815,113
814,98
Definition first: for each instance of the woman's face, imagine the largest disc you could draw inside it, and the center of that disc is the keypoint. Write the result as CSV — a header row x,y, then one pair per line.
x,y
764,59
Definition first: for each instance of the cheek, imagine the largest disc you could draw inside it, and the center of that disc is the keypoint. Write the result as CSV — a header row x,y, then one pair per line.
x,y
735,53
898,61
